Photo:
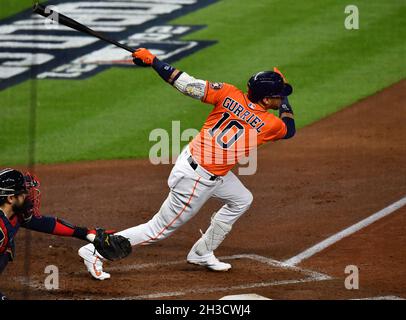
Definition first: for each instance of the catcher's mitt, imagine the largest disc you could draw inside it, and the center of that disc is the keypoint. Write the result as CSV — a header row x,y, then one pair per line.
x,y
110,246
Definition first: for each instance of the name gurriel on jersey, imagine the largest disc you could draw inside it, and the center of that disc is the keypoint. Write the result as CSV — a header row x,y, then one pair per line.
x,y
249,117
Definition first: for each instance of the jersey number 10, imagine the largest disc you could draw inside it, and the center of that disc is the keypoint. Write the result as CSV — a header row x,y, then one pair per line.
x,y
230,124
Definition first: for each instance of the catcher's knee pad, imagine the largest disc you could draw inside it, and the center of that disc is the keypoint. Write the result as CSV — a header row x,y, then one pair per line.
x,y
213,237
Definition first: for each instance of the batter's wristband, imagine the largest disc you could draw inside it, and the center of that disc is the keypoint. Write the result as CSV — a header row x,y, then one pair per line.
x,y
164,70
290,127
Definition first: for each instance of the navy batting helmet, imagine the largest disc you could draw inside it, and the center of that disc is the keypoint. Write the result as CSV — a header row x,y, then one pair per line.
x,y
12,182
267,84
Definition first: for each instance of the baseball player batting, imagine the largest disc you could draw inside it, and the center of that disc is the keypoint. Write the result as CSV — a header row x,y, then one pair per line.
x,y
202,170
20,207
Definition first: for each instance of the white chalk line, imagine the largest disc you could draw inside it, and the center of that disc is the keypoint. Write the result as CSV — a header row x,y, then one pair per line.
x,y
345,233
34,284
309,277
217,289
159,295
282,265
381,298
255,257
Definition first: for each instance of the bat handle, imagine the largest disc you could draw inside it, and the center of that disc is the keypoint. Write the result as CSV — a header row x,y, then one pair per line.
x,y
125,47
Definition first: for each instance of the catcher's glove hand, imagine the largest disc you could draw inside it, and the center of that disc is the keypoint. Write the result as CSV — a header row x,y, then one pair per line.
x,y
110,246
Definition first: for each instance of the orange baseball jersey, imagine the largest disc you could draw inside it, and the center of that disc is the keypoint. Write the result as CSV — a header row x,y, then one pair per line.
x,y
233,128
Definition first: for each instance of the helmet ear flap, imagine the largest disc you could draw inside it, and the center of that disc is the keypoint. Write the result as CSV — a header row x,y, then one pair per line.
x,y
250,95
255,88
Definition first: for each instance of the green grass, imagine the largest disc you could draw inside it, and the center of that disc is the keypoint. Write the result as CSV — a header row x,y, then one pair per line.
x,y
10,7
111,115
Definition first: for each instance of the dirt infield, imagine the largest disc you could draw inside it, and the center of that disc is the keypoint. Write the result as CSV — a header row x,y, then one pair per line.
x,y
333,174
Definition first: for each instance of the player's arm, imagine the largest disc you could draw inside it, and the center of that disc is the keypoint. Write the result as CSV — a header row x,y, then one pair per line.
x,y
286,114
183,82
58,227
4,245
110,246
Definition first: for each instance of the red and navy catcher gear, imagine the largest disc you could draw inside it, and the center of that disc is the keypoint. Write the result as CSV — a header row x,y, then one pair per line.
x,y
32,185
267,84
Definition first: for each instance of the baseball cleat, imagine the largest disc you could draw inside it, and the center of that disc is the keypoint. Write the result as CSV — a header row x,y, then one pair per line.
x,y
93,264
209,261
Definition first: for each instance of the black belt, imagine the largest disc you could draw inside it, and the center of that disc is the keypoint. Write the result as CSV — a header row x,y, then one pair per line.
x,y
194,166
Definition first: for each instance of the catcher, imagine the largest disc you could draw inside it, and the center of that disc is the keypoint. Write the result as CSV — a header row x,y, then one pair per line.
x,y
20,207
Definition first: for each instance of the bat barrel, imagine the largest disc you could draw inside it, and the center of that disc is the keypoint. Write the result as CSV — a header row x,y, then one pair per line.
x,y
66,21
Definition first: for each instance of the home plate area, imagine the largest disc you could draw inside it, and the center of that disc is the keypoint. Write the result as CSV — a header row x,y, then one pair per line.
x,y
178,279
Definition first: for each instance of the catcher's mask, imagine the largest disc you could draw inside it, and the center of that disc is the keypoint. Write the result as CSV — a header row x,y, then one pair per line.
x,y
267,84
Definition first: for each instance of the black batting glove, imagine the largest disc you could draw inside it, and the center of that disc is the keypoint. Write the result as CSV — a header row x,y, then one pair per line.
x,y
285,106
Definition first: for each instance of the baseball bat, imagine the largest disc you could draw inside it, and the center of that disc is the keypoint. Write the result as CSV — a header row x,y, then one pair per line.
x,y
66,21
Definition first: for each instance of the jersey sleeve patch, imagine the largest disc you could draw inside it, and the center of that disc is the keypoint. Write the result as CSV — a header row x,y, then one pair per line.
x,y
216,92
216,85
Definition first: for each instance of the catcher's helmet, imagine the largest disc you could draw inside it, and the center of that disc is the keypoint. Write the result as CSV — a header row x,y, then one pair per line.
x,y
12,182
267,84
